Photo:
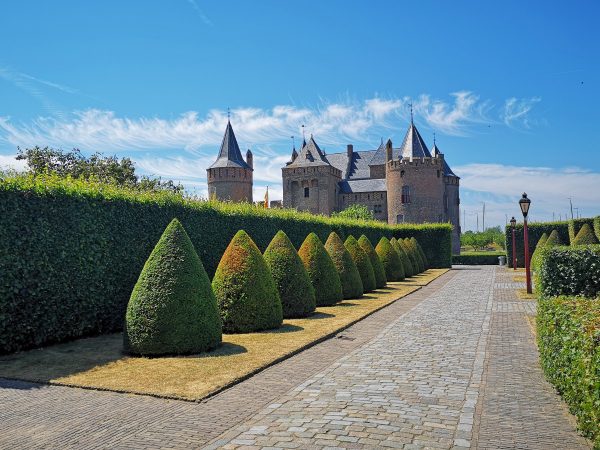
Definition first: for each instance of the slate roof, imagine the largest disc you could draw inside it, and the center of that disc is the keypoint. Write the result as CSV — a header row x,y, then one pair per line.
x,y
447,170
413,145
229,154
310,155
368,185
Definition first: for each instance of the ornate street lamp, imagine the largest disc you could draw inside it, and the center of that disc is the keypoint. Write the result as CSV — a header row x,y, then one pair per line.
x,y
524,205
513,225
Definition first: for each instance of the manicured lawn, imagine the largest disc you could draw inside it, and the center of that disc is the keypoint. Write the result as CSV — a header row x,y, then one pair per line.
x,y
98,362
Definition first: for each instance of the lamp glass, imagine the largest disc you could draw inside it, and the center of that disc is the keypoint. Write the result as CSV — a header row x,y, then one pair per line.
x,y
524,204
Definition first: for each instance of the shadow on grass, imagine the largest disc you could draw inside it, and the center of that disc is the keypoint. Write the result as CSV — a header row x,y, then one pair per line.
x,y
319,315
285,328
225,349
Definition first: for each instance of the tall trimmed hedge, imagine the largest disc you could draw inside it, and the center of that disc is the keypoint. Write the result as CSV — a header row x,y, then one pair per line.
x,y
535,233
71,251
569,271
568,335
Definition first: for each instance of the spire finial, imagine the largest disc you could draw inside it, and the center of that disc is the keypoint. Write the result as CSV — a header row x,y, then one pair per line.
x,y
411,112
228,114
293,143
303,136
434,138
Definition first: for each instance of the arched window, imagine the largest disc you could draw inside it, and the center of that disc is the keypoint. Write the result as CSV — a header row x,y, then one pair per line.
x,y
306,192
405,194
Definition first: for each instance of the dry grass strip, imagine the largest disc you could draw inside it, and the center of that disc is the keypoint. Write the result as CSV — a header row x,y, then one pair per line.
x,y
97,363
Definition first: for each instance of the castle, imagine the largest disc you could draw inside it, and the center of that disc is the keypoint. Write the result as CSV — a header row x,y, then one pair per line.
x,y
406,184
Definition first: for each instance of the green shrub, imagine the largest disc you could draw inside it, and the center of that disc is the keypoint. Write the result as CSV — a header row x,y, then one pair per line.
x,y
295,289
411,256
597,227
172,309
421,253
553,240
535,258
378,270
321,271
414,255
352,286
394,270
585,236
575,225
406,262
245,290
536,230
477,258
71,250
569,271
363,263
568,336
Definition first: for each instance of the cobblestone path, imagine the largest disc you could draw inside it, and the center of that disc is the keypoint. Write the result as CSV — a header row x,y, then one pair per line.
x,y
458,371
451,365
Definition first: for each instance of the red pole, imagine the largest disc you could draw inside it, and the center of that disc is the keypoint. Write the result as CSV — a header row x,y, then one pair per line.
x,y
527,271
514,248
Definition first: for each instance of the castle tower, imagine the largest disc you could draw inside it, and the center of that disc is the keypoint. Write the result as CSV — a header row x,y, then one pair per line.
x,y
310,182
414,182
451,200
230,177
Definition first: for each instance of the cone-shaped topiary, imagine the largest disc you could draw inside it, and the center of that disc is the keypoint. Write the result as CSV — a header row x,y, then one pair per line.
x,y
245,289
394,271
553,239
412,256
363,263
421,253
412,265
352,286
415,252
538,249
321,271
585,236
378,270
406,264
295,289
172,309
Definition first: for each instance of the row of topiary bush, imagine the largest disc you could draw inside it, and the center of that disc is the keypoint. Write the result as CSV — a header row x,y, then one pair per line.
x,y
71,251
573,232
568,323
174,309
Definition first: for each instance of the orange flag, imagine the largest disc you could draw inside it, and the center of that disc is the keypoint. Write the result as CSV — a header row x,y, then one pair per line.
x,y
267,198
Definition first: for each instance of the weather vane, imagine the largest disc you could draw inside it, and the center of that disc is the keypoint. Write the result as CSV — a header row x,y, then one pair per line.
x,y
303,136
411,112
228,114
293,142
434,138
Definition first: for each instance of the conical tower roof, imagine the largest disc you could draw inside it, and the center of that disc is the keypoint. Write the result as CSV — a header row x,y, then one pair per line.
x,y
447,170
310,155
380,155
413,145
230,154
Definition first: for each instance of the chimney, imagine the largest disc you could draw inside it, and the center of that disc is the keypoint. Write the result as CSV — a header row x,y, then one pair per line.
x,y
249,160
350,149
388,150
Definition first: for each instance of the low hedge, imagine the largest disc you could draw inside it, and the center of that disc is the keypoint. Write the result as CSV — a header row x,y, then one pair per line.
x,y
71,250
569,271
536,230
477,258
568,335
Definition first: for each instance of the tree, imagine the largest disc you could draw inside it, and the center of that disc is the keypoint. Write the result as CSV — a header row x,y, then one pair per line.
x,y
356,211
106,169
172,309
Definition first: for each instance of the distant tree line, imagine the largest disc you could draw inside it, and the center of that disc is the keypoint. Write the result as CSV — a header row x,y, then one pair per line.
x,y
483,239
107,169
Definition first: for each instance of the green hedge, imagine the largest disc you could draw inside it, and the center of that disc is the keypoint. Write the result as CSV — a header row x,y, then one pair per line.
x,y
597,227
71,251
569,271
574,227
477,258
535,233
568,334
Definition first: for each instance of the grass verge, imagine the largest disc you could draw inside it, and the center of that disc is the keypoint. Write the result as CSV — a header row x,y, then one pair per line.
x,y
97,363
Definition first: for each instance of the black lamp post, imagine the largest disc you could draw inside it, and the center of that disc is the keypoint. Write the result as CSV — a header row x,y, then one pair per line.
x,y
524,205
513,225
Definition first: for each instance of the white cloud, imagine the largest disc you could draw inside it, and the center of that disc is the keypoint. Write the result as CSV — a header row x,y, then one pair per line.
x,y
9,162
516,111
501,186
331,123
200,12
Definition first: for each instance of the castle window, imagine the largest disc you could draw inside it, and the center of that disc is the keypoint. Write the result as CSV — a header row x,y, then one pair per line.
x,y
405,194
356,197
402,173
400,218
438,173
306,192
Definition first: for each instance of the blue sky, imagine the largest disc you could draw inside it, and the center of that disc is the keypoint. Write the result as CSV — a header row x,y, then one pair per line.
x,y
510,88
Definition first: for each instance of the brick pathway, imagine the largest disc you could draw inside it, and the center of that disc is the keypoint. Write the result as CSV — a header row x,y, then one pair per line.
x,y
452,365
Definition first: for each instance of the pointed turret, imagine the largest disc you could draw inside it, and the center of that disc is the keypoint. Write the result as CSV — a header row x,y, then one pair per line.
x,y
438,154
413,145
310,155
230,154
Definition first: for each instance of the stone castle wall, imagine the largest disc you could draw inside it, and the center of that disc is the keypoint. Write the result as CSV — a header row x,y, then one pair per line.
x,y
230,184
313,189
